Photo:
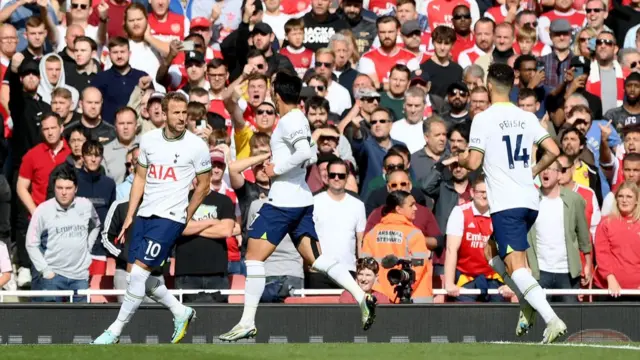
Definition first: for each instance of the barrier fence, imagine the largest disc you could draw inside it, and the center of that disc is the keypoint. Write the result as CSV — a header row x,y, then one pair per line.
x,y
300,292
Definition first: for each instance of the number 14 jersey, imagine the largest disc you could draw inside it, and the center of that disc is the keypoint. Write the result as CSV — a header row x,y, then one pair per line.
x,y
505,134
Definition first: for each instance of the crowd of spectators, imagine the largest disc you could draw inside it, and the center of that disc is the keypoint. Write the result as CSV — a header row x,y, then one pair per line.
x,y
391,88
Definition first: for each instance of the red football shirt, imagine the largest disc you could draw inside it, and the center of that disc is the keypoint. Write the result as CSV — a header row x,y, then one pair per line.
x,y
37,165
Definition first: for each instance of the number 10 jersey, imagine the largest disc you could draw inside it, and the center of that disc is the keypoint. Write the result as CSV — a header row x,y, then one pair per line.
x,y
505,134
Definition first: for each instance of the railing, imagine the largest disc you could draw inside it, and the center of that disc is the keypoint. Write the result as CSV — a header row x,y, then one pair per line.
x,y
302,292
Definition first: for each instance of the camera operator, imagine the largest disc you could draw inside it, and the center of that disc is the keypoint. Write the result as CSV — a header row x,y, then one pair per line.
x,y
396,237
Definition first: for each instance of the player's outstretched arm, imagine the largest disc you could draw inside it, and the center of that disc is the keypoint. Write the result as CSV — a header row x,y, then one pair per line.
x,y
471,159
137,190
301,156
203,186
551,152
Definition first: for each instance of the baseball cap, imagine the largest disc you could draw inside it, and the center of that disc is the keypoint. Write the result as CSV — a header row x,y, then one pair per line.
x,y
217,156
410,27
268,102
634,76
200,22
194,56
419,76
458,85
365,93
560,26
29,67
156,96
262,28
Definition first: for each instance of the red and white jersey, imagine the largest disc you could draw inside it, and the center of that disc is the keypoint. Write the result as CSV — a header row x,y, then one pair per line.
x,y
499,13
175,27
295,7
440,12
462,44
171,165
376,61
539,49
469,56
475,229
301,59
577,19
591,209
381,7
213,52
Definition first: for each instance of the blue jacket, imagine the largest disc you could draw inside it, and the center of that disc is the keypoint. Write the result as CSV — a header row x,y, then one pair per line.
x,y
101,190
370,156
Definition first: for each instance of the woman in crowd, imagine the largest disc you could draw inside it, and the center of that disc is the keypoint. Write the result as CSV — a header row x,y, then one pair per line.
x,y
367,276
618,244
581,44
396,235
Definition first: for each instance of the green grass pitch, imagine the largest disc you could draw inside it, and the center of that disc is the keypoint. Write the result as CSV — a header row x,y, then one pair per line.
x,y
477,351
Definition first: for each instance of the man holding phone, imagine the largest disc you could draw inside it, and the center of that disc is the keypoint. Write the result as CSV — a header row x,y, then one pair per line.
x,y
531,75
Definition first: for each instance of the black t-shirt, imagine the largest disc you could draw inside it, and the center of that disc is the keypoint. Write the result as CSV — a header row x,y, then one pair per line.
x,y
441,76
246,195
197,255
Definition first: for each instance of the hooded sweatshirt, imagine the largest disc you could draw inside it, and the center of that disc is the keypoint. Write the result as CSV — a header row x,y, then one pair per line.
x,y
46,88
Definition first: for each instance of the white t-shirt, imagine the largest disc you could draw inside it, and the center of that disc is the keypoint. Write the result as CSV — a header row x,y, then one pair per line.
x,y
551,246
290,189
608,203
455,223
337,223
338,97
171,167
505,134
410,134
90,31
276,23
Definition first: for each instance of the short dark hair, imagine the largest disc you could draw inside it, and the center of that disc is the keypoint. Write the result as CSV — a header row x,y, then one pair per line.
x,y
255,53
216,63
338,161
288,88
527,93
462,129
478,180
117,41
395,198
501,76
580,109
198,91
195,35
387,19
81,129
317,102
124,109
402,149
92,146
65,172
402,68
384,110
173,96
630,129
444,34
631,157
92,43
50,114
523,58
391,154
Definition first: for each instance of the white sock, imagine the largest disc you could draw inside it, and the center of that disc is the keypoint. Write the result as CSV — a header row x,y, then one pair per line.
x,y
158,292
498,265
132,299
533,293
253,289
339,273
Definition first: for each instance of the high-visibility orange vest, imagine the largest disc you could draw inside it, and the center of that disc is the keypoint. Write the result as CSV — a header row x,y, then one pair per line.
x,y
395,234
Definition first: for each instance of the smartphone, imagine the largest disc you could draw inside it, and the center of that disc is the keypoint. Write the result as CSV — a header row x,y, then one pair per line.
x,y
591,44
188,45
202,124
578,71
540,66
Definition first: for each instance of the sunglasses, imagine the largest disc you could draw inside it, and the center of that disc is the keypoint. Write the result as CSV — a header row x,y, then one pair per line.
x,y
400,184
533,24
325,64
328,138
319,87
368,261
340,176
605,42
79,6
371,99
381,121
633,65
392,167
597,11
462,16
455,92
262,112
583,40
565,169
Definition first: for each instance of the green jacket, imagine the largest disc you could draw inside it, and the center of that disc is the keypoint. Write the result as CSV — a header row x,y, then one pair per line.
x,y
576,234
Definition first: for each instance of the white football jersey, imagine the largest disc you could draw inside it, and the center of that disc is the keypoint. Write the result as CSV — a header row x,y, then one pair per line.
x,y
290,189
506,134
171,164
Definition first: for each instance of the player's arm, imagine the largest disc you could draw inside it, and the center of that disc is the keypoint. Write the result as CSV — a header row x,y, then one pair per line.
x,y
551,153
472,157
137,188
302,154
202,166
237,167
